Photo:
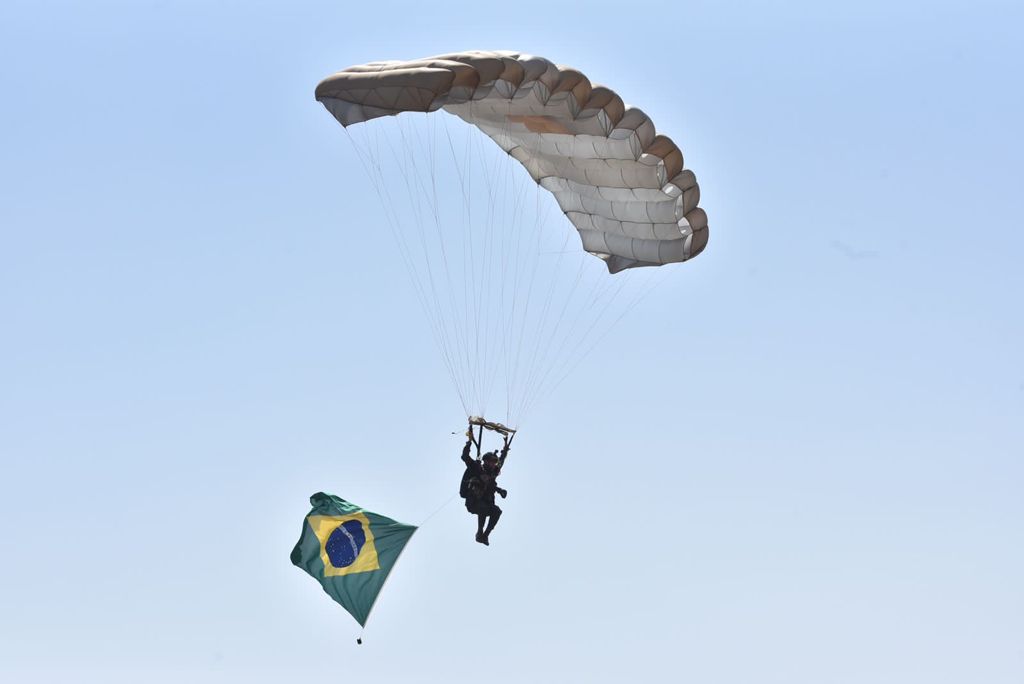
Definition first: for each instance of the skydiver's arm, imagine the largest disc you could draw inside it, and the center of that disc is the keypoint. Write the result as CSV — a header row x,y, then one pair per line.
x,y
465,452
504,454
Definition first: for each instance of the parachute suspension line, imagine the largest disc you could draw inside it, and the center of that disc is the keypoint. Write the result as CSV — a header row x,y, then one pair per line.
x,y
431,148
432,315
550,349
495,210
508,215
485,304
523,388
372,166
465,184
519,332
526,388
464,215
510,191
523,244
485,312
412,176
469,311
598,293
390,205
511,269
486,309
481,308
472,364
524,240
469,254
471,264
532,369
430,145
557,339
511,326
457,312
654,280
543,319
374,171
435,316
513,374
418,193
514,320
544,343
481,300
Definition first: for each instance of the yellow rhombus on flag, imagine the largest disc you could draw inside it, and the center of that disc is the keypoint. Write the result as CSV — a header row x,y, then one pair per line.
x,y
350,551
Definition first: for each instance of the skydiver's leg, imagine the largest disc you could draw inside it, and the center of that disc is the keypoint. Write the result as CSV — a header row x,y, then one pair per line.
x,y
480,519
495,514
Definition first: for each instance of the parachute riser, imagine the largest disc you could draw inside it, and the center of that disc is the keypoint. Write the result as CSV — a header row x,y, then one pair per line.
x,y
506,432
503,430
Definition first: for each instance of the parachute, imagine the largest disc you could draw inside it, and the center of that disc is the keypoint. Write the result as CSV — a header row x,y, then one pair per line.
x,y
622,186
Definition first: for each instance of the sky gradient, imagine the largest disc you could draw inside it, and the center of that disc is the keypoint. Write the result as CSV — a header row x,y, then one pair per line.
x,y
803,449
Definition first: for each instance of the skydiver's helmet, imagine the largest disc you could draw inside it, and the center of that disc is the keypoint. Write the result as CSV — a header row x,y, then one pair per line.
x,y
490,460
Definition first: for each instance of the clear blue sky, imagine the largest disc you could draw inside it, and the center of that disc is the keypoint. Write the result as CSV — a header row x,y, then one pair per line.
x,y
816,479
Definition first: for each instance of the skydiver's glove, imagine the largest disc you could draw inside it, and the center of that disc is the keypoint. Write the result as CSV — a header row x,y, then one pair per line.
x,y
503,492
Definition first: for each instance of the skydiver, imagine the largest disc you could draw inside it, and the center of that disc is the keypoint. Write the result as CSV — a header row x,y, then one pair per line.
x,y
479,487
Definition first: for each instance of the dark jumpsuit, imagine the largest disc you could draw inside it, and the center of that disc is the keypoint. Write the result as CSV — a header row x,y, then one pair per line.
x,y
481,497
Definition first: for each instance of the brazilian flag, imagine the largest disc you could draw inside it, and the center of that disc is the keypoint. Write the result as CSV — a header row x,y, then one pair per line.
x,y
350,551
